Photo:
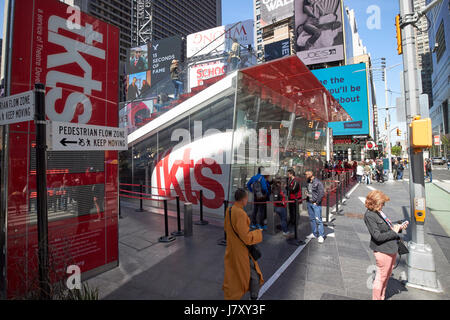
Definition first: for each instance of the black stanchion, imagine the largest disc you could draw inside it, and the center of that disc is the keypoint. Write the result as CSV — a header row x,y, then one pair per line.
x,y
294,241
180,232
337,197
120,210
141,204
223,241
201,222
166,237
328,222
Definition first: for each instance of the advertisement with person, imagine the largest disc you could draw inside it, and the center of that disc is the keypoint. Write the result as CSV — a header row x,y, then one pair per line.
x,y
138,85
77,60
348,85
162,53
319,31
275,10
139,59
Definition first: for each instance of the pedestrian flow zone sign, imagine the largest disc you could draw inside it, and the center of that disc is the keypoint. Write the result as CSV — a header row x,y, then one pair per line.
x,y
66,136
17,108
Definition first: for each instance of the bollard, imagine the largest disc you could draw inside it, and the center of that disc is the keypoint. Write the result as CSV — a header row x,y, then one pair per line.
x,y
188,219
166,237
201,222
294,241
223,241
141,207
180,232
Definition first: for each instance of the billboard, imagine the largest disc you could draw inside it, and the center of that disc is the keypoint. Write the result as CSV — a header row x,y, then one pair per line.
x,y
78,63
162,52
275,10
277,50
138,59
204,71
138,85
218,40
319,31
348,85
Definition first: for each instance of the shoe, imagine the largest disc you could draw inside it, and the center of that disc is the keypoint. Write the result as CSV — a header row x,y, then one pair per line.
x,y
287,234
320,239
311,236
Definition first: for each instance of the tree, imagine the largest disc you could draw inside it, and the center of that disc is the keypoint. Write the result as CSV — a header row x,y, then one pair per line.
x,y
396,150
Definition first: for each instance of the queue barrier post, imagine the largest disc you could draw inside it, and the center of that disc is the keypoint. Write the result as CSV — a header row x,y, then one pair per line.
x,y
201,222
179,232
166,237
141,201
188,219
223,241
120,210
294,241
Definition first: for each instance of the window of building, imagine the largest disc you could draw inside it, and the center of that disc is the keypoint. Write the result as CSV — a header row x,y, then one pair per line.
x,y
440,40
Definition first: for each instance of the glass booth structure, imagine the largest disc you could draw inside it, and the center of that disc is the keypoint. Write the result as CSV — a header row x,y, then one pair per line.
x,y
273,116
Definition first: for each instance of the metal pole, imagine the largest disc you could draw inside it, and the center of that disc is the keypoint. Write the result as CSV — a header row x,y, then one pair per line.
x,y
421,268
41,189
166,237
294,241
223,241
201,222
388,125
141,201
179,232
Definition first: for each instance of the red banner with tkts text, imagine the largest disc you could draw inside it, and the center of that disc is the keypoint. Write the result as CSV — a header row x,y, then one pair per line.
x,y
76,56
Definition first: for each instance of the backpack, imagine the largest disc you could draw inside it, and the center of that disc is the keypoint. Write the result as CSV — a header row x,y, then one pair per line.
x,y
257,190
277,195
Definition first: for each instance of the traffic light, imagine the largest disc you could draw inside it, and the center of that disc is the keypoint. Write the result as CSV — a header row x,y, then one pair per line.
x,y
310,124
399,132
399,34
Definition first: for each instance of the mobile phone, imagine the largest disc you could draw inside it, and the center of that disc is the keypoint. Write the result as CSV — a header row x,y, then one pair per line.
x,y
405,223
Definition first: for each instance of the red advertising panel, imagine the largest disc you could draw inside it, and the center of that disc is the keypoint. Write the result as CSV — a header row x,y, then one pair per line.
x,y
76,56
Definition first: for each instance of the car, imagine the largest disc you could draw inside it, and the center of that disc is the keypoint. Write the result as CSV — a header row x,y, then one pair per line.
x,y
438,160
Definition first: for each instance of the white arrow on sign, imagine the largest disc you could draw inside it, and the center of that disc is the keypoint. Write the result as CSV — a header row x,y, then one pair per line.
x,y
67,136
17,108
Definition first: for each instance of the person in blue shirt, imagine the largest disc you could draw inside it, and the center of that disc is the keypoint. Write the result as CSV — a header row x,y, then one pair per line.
x,y
259,187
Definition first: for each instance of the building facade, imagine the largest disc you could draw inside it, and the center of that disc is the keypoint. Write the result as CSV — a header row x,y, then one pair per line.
x,y
439,40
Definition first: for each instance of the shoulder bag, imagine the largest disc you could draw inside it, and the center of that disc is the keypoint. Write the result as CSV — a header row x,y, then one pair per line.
x,y
252,249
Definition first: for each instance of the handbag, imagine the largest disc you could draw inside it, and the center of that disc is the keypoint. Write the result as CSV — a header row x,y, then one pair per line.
x,y
252,249
402,248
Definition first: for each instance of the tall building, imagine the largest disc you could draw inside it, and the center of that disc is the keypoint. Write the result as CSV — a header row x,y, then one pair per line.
x,y
423,54
159,19
439,37
115,12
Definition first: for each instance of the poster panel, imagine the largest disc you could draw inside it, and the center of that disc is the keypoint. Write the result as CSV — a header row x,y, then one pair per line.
x,y
138,59
77,60
138,85
348,85
319,31
277,50
199,73
275,10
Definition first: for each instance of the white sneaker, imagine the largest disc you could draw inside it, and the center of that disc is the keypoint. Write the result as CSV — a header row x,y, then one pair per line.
x,y
320,240
311,236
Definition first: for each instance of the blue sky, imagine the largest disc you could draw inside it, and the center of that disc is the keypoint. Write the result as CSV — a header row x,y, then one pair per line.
x,y
379,42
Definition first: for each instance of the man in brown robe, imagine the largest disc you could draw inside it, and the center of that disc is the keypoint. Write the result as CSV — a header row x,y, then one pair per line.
x,y
242,272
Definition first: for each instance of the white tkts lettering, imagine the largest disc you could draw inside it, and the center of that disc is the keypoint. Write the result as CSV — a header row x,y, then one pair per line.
x,y
74,280
72,54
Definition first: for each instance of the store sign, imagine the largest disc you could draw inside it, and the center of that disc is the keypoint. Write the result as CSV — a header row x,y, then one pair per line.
x,y
17,108
319,31
275,10
65,136
348,85
437,140
199,73
370,145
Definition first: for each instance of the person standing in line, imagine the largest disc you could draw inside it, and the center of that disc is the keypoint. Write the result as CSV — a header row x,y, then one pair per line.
x,y
394,169
380,171
241,271
176,78
280,205
384,236
294,193
314,203
360,172
367,173
259,187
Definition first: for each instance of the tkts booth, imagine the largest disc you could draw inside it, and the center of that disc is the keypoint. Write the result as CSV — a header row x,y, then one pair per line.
x,y
76,57
272,115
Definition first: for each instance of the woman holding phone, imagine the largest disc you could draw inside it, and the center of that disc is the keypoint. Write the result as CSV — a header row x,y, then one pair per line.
x,y
384,240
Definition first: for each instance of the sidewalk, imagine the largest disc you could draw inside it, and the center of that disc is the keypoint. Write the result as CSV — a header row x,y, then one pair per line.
x,y
192,268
